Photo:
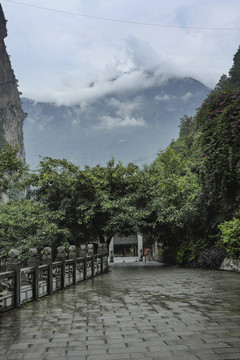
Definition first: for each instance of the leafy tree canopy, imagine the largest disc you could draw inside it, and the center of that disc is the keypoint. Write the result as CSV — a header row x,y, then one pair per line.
x,y
11,168
234,73
93,203
25,224
173,196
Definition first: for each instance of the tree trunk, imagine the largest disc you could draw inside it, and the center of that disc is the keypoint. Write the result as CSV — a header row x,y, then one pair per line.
x,y
104,239
101,237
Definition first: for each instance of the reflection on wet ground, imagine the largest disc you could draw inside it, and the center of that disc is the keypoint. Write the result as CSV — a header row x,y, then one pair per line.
x,y
136,311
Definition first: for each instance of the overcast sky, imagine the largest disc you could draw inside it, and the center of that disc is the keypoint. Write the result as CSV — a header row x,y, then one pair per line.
x,y
56,55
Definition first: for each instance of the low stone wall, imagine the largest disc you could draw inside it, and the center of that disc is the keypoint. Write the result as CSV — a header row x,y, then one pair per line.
x,y
230,264
19,286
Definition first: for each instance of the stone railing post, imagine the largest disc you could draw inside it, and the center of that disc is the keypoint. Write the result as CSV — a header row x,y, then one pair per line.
x,y
100,249
90,251
100,252
83,253
73,255
14,265
33,262
32,258
72,252
47,259
83,250
111,256
62,257
105,253
105,249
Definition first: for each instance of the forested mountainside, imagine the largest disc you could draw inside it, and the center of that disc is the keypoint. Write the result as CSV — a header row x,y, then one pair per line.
x,y
209,143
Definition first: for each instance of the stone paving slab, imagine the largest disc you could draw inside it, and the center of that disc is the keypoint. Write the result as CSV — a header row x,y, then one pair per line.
x,y
136,311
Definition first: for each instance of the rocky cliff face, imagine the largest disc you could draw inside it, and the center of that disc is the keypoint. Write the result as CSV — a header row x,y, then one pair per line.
x,y
11,113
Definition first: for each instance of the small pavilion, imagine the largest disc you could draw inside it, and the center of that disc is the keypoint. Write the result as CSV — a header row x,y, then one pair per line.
x,y
126,246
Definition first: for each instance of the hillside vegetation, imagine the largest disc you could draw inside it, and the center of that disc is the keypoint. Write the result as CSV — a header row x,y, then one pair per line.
x,y
187,199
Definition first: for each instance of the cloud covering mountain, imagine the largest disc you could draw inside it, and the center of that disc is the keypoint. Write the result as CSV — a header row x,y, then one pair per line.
x,y
57,48
131,123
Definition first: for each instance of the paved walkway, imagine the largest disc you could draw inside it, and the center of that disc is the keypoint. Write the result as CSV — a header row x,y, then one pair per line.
x,y
136,311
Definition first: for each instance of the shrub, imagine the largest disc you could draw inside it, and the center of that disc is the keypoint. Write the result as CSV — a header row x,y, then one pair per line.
x,y
230,237
210,258
189,251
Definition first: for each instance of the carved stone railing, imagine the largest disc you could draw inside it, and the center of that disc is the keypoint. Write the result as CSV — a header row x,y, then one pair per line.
x,y
19,286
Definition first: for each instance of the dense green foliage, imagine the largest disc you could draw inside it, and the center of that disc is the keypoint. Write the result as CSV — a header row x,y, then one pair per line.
x,y
210,145
234,73
94,203
172,200
219,163
230,237
26,224
11,168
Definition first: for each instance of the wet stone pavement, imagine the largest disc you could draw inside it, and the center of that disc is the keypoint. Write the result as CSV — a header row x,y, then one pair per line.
x,y
136,311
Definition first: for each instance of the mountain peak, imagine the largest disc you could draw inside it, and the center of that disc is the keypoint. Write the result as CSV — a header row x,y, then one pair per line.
x,y
131,125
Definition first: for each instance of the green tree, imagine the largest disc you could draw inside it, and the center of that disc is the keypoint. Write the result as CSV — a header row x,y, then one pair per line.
x,y
186,123
174,199
25,224
11,168
234,73
223,84
62,188
185,145
93,203
116,201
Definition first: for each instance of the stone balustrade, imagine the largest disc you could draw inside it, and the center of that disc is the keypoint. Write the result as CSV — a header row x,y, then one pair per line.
x,y
19,286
